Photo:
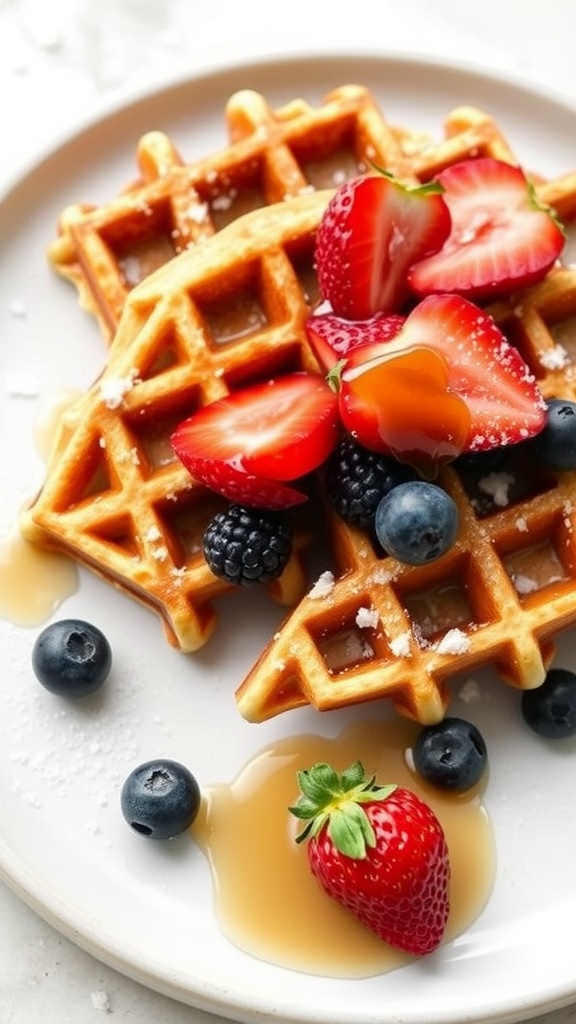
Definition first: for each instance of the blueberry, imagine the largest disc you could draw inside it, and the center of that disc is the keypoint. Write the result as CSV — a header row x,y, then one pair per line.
x,y
71,658
550,709
160,799
451,754
416,522
555,445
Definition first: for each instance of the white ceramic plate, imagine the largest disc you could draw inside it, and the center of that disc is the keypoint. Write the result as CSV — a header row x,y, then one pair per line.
x,y
145,908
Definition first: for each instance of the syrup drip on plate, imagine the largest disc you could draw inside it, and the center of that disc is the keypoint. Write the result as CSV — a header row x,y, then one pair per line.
x,y
33,581
266,900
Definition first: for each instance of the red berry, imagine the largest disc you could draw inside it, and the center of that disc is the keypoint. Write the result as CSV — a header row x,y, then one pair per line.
x,y
247,445
373,230
448,382
380,852
501,236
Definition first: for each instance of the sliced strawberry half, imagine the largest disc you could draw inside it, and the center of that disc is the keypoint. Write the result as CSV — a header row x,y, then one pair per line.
x,y
501,236
332,338
247,445
448,382
373,230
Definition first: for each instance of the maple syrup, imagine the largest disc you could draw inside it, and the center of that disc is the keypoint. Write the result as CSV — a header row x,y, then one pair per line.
x,y
266,899
33,581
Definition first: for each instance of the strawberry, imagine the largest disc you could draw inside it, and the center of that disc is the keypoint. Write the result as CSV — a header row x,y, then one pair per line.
x,y
448,382
379,851
501,237
373,230
247,444
332,338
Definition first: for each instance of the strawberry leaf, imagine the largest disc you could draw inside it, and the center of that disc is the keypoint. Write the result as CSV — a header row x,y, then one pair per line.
x,y
334,800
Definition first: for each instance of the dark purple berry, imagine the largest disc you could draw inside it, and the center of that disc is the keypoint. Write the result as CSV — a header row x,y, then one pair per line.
x,y
160,799
71,658
550,709
450,755
416,522
246,545
555,445
357,479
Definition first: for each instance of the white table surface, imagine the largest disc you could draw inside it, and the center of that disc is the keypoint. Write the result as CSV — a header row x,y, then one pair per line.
x,y
63,59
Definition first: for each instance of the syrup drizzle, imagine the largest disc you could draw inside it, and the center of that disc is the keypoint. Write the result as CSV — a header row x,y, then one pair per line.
x,y
33,581
266,900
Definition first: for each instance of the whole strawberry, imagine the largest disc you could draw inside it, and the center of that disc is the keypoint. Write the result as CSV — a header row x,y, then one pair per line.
x,y
379,851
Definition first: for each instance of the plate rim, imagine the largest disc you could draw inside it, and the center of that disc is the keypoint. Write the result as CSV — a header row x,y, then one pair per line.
x,y
122,99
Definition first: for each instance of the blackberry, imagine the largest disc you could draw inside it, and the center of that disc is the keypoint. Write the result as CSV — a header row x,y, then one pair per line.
x,y
357,479
247,545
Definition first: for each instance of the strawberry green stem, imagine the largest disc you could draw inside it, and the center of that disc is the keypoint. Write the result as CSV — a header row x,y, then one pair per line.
x,y
335,801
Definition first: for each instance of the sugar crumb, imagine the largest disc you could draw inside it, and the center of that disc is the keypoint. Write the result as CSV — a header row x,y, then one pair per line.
x,y
323,586
497,485
400,645
367,618
21,385
556,358
469,691
18,310
101,1001
454,641
114,389
524,584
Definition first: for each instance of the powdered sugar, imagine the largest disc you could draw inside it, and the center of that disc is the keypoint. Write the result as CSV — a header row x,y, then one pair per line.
x,y
367,618
455,641
323,586
400,645
113,390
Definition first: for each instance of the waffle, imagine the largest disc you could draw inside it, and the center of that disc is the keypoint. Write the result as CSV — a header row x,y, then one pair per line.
x,y
115,498
272,155
231,311
373,628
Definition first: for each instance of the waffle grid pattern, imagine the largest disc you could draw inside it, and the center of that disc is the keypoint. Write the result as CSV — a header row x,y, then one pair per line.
x,y
115,496
272,155
231,311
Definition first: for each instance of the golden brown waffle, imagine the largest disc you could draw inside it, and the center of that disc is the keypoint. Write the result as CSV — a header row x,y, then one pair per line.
x,y
228,313
374,628
115,498
273,154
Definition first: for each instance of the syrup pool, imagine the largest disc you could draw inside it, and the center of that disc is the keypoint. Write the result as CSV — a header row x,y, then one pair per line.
x,y
33,581
266,900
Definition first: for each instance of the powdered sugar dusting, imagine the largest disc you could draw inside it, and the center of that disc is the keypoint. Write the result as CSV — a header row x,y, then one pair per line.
x,y
400,645
497,486
113,390
323,586
367,618
455,641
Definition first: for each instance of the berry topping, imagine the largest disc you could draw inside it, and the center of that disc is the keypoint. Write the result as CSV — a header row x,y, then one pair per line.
x,y
555,445
550,709
71,658
373,230
448,382
416,522
160,799
333,338
451,754
357,479
245,546
501,237
247,445
380,852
